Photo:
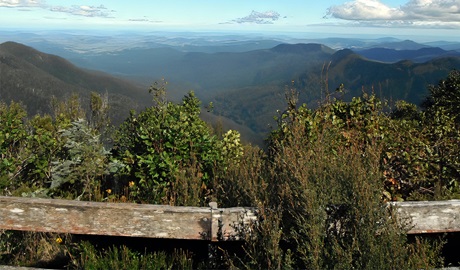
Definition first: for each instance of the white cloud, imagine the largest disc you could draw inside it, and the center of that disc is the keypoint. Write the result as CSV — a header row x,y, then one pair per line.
x,y
82,10
86,11
20,3
415,13
267,17
364,10
143,20
442,10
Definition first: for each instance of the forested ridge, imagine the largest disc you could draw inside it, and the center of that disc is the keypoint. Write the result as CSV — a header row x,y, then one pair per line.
x,y
31,77
339,161
246,87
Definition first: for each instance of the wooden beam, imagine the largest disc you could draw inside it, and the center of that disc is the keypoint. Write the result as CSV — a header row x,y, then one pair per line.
x,y
196,223
430,216
121,219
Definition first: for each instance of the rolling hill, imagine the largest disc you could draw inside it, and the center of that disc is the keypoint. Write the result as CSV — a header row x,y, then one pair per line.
x,y
255,106
401,45
210,73
392,55
32,77
247,88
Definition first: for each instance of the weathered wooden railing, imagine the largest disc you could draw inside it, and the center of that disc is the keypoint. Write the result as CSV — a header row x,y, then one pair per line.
x,y
430,216
122,219
196,223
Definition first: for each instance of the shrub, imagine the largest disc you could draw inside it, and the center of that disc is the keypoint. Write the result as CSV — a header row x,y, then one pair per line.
x,y
323,208
123,258
167,145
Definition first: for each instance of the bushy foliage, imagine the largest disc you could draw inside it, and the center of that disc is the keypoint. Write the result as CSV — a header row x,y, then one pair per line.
x,y
123,258
13,140
244,183
422,160
167,141
59,156
445,96
321,186
323,207
82,163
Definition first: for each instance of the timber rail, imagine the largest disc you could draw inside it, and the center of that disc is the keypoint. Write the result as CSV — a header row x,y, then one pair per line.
x,y
427,217
168,222
122,219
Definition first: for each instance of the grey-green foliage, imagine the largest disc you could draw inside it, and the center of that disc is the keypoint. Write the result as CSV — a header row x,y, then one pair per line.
x,y
83,159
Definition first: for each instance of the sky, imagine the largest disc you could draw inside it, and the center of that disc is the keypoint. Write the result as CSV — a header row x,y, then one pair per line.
x,y
439,18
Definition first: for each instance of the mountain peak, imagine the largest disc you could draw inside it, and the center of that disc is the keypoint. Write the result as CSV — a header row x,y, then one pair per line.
x,y
341,54
403,45
16,48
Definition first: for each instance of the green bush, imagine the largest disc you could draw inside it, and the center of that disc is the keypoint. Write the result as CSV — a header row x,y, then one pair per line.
x,y
168,146
321,186
34,249
123,258
323,207
13,144
421,160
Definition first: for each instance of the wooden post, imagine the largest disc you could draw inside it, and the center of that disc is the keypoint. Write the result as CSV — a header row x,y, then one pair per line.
x,y
226,222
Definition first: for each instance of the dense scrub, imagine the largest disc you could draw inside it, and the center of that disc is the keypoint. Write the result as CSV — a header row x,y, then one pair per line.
x,y
321,185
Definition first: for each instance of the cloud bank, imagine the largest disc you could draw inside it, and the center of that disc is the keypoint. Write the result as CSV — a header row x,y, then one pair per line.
x,y
82,10
20,3
86,11
267,17
144,19
415,13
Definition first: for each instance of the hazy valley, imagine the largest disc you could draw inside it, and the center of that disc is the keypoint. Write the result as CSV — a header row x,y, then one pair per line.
x,y
245,76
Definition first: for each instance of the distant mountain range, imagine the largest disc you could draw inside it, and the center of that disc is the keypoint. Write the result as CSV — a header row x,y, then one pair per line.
x,y
400,45
247,87
33,77
254,105
420,55
208,73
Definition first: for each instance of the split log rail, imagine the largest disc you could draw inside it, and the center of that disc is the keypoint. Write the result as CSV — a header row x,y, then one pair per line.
x,y
168,222
123,219
428,217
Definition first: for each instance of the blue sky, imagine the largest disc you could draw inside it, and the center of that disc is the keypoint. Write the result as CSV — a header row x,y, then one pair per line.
x,y
398,17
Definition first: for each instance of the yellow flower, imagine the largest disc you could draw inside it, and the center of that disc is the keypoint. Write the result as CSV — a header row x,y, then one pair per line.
x,y
131,184
59,240
108,191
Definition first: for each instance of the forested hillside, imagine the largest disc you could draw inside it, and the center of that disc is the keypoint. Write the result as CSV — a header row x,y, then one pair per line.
x,y
246,88
391,55
32,78
210,73
404,80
